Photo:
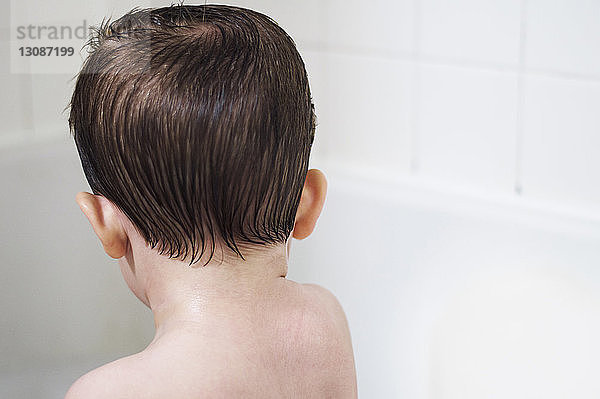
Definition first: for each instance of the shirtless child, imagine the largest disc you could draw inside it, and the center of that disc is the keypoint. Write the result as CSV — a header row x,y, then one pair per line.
x,y
194,127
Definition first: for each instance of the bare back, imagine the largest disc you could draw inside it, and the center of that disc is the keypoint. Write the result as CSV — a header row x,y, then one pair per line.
x,y
294,342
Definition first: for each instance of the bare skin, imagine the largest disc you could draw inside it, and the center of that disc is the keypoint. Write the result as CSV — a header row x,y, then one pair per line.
x,y
231,329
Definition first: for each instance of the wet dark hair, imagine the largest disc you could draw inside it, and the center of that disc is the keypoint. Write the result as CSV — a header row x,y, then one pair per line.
x,y
197,122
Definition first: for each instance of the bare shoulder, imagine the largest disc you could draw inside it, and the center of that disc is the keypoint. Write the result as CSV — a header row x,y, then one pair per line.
x,y
112,380
330,317
328,332
328,301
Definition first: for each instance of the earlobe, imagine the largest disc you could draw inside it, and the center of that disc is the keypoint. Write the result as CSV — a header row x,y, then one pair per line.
x,y
102,216
311,204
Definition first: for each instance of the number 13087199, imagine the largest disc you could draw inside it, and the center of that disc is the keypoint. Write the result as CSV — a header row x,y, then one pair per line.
x,y
46,51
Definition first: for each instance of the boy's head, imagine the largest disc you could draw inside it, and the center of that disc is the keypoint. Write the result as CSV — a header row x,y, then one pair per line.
x,y
196,122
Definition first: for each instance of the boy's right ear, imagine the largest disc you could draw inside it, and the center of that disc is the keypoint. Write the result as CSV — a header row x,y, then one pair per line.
x,y
102,215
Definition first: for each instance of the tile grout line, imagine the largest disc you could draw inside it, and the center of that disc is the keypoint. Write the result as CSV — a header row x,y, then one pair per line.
x,y
520,101
441,61
392,184
415,93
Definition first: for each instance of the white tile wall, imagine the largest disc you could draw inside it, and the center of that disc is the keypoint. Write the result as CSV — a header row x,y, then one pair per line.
x,y
564,35
466,130
16,111
15,95
471,30
51,94
364,116
380,25
561,141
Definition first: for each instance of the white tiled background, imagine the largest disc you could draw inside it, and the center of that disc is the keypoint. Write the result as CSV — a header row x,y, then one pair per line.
x,y
461,140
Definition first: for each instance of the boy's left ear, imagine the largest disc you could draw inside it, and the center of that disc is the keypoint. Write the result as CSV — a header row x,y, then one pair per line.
x,y
311,204
102,215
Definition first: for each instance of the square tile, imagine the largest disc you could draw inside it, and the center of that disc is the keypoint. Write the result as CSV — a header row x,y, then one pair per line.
x,y
375,25
564,35
466,132
471,30
561,141
365,116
